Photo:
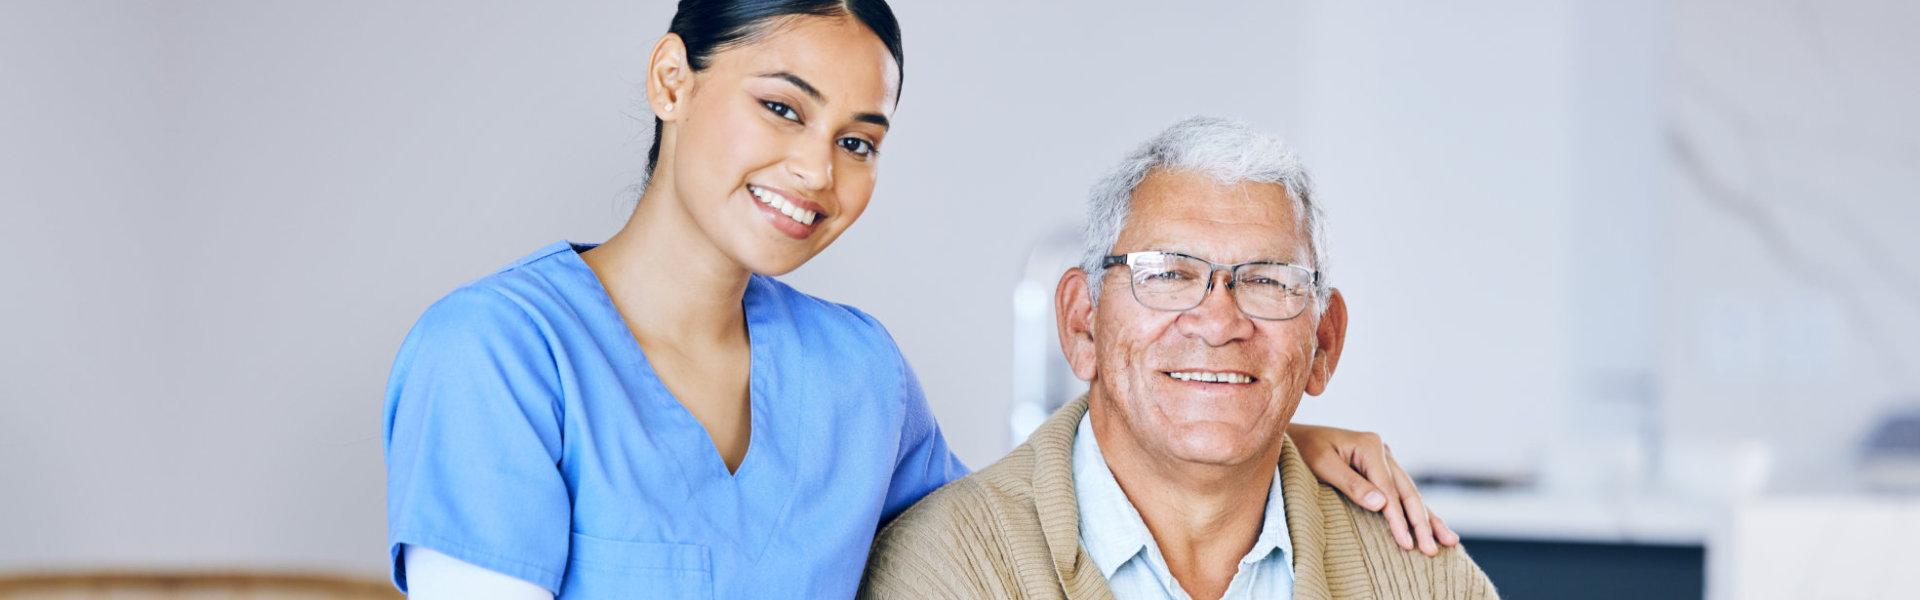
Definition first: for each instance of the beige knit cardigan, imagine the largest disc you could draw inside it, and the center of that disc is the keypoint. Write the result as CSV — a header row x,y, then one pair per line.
x,y
1012,531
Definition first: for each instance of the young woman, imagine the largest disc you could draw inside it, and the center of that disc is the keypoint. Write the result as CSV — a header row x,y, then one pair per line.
x,y
656,416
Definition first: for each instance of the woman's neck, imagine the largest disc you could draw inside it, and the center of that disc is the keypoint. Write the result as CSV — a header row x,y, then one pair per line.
x,y
668,279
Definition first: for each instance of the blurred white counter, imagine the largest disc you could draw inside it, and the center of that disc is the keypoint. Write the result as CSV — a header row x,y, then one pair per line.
x,y
1840,545
1535,515
1817,546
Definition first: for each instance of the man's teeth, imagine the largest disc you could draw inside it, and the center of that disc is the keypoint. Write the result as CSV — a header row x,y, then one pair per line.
x,y
1209,377
804,216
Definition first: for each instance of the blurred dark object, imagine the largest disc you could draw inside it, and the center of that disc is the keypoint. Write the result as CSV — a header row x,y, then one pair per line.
x,y
1528,569
1474,480
193,586
1890,458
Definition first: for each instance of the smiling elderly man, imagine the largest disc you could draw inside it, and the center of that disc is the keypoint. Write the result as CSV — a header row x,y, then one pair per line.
x,y
1200,317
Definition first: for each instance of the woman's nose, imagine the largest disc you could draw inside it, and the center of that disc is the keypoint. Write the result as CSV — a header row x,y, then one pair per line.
x,y
811,163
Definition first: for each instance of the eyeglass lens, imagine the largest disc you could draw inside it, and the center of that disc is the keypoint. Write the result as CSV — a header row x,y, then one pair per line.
x,y
1266,291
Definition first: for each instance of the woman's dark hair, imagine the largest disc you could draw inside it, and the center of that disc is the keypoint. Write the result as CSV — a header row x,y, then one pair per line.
x,y
710,26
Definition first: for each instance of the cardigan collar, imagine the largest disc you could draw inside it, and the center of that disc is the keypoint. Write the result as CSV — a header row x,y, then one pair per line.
x,y
1054,500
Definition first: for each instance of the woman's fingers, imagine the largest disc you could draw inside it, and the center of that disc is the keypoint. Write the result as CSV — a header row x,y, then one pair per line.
x,y
1370,459
1361,466
1356,486
1372,482
1349,470
1444,533
1396,516
1416,508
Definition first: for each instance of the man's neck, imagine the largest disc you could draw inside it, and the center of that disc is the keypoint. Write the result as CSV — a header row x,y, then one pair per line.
x,y
1204,517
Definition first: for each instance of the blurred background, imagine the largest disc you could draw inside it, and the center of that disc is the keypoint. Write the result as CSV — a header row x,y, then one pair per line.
x,y
1635,284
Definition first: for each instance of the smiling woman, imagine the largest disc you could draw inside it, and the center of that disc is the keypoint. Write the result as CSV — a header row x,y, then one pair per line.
x,y
785,124
656,416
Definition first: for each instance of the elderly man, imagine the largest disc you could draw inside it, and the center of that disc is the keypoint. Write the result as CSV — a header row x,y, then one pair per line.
x,y
1200,316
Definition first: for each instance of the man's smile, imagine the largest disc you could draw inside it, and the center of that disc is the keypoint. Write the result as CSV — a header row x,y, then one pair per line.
x,y
1228,377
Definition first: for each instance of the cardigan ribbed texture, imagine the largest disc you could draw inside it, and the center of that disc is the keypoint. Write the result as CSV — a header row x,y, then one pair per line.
x,y
1012,532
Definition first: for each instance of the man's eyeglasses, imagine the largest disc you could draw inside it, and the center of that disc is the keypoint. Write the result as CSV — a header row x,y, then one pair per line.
x,y
1273,291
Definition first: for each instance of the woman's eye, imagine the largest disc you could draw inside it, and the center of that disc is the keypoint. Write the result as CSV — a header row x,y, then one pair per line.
x,y
785,112
858,147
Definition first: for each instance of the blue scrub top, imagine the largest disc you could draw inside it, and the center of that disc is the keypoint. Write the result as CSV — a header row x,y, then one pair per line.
x,y
527,434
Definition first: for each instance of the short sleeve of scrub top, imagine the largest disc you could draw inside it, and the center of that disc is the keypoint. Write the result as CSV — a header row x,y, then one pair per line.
x,y
527,434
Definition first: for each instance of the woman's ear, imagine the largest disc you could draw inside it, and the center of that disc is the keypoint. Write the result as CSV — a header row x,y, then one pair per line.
x,y
1329,339
1073,317
669,76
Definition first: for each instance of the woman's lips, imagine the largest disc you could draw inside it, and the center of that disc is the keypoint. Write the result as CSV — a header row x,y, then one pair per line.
x,y
795,217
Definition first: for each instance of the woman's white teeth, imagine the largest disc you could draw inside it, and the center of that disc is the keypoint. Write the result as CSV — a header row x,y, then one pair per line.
x,y
1210,377
804,216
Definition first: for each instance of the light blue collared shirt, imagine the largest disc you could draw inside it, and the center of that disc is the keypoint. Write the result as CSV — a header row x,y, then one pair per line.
x,y
1118,540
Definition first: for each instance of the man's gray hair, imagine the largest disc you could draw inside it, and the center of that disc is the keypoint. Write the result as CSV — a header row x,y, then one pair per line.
x,y
1226,150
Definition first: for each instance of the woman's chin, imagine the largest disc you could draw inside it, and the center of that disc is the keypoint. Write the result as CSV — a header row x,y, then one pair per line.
x,y
774,260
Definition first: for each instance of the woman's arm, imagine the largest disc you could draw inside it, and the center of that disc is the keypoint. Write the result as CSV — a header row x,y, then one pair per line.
x,y
435,576
1361,466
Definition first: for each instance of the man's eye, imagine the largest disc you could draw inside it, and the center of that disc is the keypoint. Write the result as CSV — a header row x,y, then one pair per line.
x,y
858,147
785,112
1263,282
1166,275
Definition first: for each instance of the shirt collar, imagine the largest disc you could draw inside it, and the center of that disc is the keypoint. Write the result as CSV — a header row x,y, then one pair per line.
x,y
1111,528
1274,534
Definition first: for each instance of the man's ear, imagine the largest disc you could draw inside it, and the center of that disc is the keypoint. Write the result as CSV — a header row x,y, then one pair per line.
x,y
669,77
1329,340
1073,316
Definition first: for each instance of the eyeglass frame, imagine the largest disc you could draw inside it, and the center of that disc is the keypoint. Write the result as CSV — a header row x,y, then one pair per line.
x,y
1233,277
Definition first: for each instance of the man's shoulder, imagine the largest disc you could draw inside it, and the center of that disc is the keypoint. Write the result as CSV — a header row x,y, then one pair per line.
x,y
970,506
963,540
1344,550
1451,573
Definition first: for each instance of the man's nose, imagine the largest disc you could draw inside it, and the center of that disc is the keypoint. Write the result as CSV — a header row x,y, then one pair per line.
x,y
1217,320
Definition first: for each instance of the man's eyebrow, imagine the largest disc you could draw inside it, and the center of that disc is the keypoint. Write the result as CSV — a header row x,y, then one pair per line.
x,y
789,77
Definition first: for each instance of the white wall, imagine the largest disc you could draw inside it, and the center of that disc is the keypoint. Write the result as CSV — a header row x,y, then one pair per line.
x,y
1442,138
80,326
1794,272
224,215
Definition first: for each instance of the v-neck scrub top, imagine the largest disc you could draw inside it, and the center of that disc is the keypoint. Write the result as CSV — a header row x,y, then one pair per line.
x,y
527,434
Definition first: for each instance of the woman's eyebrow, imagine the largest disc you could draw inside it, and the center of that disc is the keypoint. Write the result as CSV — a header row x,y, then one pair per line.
x,y
874,118
789,77
813,92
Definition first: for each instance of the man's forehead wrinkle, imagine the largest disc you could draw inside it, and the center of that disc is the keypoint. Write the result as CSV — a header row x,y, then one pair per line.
x,y
1189,234
1191,246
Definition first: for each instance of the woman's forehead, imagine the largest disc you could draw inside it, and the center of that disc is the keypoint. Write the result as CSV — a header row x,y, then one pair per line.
x,y
838,56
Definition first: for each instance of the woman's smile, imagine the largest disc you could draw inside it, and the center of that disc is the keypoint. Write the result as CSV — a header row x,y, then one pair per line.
x,y
794,216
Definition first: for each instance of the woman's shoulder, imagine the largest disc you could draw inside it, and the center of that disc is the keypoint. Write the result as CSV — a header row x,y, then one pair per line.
x,y
518,297
551,274
809,311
